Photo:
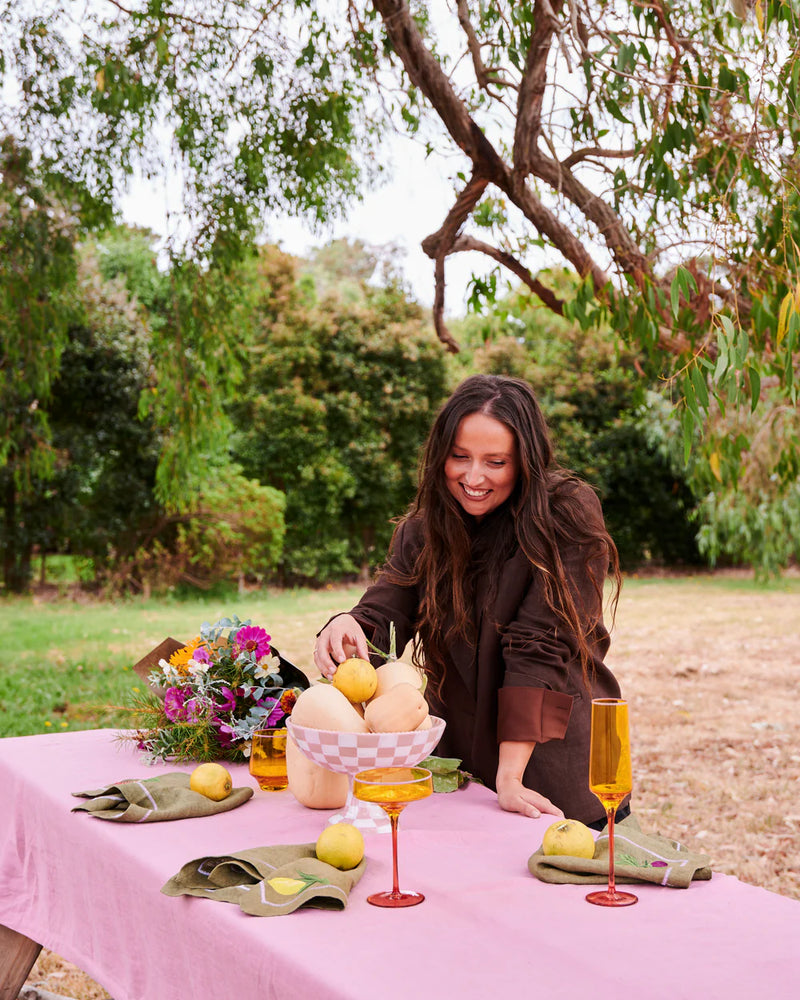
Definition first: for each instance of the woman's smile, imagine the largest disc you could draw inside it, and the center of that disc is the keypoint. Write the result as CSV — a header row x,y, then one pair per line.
x,y
482,468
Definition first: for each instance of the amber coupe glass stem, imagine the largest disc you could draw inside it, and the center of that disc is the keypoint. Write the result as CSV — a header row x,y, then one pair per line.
x,y
394,816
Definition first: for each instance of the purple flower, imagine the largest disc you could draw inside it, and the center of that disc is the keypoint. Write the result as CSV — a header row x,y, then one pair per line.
x,y
201,655
225,735
659,864
193,710
252,639
276,712
229,702
174,699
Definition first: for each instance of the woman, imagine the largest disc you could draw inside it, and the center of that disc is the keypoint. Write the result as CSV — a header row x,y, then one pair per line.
x,y
496,574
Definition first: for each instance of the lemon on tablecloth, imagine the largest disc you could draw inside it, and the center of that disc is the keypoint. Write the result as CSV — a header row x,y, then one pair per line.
x,y
341,845
212,780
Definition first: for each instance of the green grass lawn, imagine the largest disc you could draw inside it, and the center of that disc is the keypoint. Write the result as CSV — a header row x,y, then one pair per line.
x,y
65,665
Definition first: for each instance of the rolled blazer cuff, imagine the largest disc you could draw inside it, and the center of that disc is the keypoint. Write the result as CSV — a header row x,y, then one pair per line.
x,y
528,714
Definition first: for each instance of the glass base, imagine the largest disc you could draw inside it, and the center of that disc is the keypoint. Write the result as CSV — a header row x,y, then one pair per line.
x,y
391,898
605,898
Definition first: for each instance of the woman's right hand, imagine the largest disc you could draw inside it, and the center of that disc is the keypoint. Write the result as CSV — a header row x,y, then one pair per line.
x,y
341,638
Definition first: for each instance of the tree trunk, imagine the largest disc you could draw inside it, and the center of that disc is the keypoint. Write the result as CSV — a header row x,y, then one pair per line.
x,y
16,557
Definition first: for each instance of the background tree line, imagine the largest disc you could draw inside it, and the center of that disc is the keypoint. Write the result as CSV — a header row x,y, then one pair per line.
x,y
338,376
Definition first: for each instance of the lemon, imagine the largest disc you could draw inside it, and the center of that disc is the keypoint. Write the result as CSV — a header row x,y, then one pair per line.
x,y
341,845
356,679
211,780
569,836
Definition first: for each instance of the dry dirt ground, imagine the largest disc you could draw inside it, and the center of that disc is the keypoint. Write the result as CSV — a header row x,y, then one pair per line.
x,y
710,667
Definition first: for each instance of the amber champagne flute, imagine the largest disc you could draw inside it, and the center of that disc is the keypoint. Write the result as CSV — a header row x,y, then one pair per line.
x,y
392,788
610,780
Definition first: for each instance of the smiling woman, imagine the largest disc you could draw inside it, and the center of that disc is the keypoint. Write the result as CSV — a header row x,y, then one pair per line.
x,y
496,574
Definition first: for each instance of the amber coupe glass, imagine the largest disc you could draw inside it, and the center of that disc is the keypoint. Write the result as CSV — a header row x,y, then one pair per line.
x,y
392,788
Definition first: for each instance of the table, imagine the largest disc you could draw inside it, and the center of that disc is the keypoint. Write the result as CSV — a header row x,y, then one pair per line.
x,y
89,890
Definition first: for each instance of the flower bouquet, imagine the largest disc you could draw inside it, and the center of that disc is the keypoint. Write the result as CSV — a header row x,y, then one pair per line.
x,y
208,696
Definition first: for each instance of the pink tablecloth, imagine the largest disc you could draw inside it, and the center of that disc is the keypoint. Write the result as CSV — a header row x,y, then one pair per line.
x,y
89,890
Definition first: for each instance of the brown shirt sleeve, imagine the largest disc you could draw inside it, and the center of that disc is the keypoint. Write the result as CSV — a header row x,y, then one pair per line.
x,y
532,714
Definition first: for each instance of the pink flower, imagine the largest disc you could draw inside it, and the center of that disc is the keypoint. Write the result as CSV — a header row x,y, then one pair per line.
x,y
174,699
276,713
193,710
252,639
225,734
229,702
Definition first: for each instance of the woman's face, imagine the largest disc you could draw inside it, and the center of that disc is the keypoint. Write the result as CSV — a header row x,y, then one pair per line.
x,y
482,467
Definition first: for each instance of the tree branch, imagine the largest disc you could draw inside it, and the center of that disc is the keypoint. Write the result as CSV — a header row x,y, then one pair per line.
x,y
466,243
532,88
627,254
484,76
438,245
583,154
426,74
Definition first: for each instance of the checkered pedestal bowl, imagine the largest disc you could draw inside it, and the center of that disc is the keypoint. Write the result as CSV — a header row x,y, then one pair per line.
x,y
354,752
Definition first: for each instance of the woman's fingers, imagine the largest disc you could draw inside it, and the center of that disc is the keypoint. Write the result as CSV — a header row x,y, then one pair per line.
x,y
516,798
341,638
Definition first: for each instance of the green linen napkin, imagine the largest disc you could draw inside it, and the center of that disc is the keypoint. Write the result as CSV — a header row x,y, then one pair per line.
x,y
267,881
638,857
150,800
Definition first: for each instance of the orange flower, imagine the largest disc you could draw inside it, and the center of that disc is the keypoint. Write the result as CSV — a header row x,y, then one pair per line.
x,y
181,657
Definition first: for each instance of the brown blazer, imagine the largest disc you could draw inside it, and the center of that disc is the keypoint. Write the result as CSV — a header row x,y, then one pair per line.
x,y
523,679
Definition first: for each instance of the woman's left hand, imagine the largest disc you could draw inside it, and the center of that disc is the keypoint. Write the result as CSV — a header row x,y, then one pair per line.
x,y
513,796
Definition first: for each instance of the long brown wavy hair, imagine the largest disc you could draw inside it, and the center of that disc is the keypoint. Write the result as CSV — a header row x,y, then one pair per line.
x,y
544,508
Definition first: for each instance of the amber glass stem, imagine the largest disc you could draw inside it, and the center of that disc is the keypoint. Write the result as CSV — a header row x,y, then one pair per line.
x,y
394,816
611,813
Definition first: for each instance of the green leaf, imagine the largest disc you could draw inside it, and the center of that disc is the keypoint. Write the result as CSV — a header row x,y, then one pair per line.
x,y
614,110
755,387
440,765
450,782
700,387
447,776
687,427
